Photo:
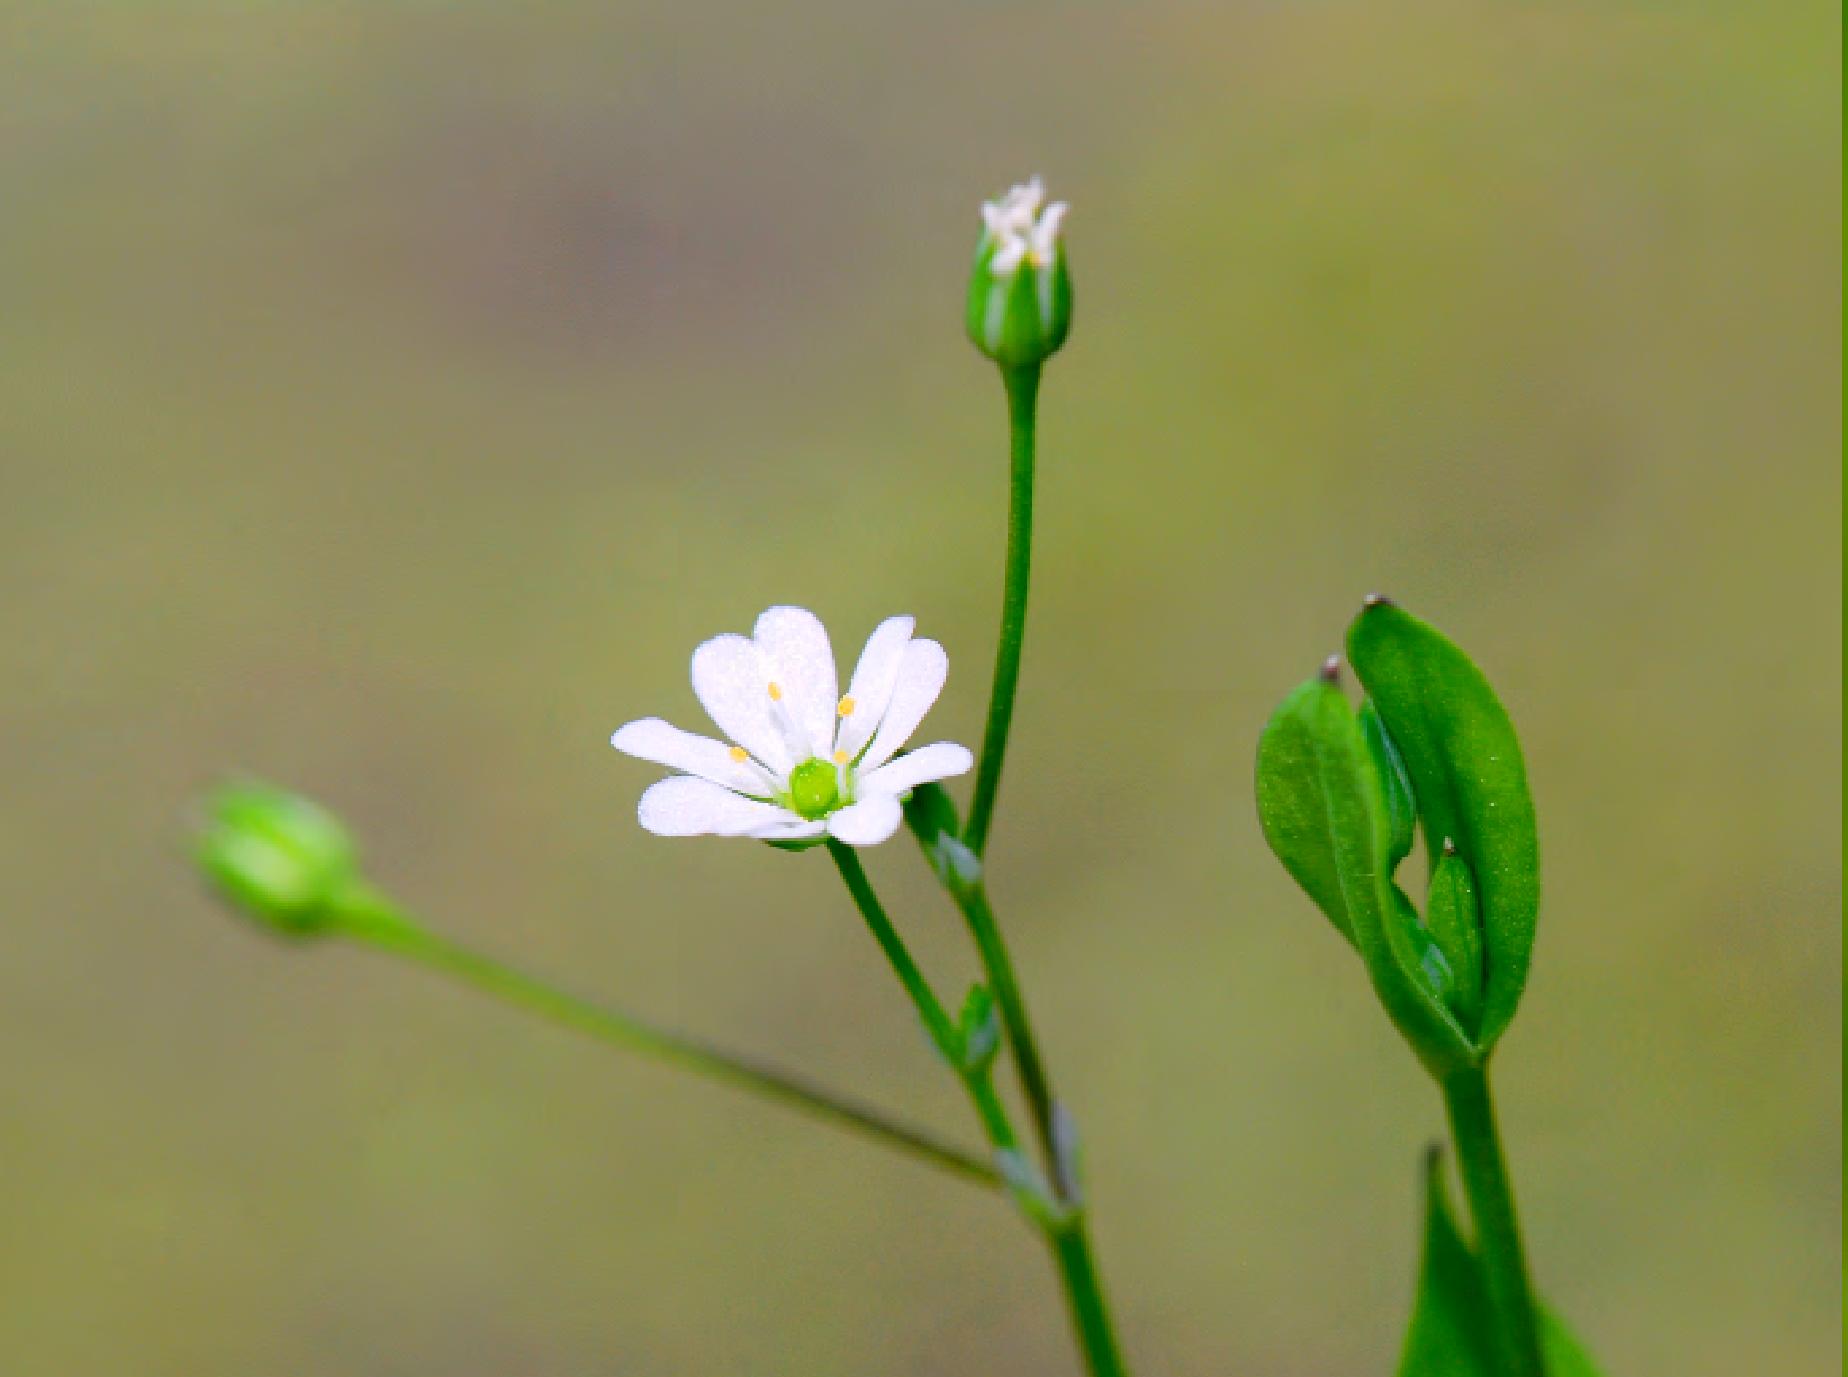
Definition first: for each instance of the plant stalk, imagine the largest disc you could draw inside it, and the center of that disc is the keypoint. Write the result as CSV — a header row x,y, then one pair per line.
x,y
1084,1297
1022,401
1034,1082
1067,1236
391,932
1484,1170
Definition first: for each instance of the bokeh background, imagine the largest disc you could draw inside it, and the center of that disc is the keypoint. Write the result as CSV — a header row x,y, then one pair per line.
x,y
392,394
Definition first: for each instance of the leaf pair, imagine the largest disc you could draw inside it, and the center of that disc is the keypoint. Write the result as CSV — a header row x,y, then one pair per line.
x,y
1341,795
1452,1330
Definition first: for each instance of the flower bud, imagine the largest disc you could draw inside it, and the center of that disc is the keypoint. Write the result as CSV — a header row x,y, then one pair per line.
x,y
278,858
1020,292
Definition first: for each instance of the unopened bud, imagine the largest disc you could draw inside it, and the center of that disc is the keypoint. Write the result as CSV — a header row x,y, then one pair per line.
x,y
1020,292
278,857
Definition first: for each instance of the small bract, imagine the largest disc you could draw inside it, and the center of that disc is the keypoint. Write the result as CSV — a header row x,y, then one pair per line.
x,y
803,761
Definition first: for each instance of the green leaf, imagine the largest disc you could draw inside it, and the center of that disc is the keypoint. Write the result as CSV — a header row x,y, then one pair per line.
x,y
1468,783
1565,1355
1454,916
1323,809
1292,808
1401,811
1451,1334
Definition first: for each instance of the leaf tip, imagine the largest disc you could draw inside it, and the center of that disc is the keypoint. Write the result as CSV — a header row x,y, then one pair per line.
x,y
1330,673
1377,600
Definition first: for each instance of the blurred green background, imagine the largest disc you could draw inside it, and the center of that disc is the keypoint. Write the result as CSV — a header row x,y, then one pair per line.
x,y
392,395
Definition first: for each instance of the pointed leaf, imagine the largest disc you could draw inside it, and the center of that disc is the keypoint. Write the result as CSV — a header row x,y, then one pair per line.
x,y
1293,809
1323,810
1468,782
1451,1332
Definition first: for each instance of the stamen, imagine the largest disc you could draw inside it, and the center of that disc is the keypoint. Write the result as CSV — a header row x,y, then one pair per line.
x,y
776,692
840,757
846,707
739,754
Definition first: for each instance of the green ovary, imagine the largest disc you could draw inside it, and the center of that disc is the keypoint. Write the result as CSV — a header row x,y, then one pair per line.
x,y
815,789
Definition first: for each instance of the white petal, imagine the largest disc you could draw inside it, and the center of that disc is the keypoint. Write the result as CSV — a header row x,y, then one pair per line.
x,y
733,685
682,806
868,822
1046,232
1007,257
789,831
795,646
873,678
921,673
942,761
665,744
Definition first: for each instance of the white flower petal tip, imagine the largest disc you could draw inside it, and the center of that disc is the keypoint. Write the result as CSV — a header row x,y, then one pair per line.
x,y
926,765
804,761
1021,226
868,822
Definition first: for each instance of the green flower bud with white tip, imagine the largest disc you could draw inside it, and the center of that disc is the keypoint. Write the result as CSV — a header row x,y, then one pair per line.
x,y
279,858
1020,291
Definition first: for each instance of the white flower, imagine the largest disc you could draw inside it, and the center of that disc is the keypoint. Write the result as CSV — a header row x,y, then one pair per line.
x,y
1022,226
804,762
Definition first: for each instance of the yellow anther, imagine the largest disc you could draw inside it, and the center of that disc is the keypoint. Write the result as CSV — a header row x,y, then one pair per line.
x,y
846,707
840,757
776,692
739,754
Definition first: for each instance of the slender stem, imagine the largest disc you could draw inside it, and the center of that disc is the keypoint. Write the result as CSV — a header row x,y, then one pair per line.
x,y
1034,1082
1498,1231
1067,1237
1022,396
1084,1295
397,935
936,1022
995,1122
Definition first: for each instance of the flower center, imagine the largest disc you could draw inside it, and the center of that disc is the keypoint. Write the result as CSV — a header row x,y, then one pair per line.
x,y
814,789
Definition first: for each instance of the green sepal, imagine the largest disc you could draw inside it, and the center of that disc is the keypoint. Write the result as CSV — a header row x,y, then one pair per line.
x,y
796,843
1019,319
1323,809
1467,780
1452,1328
1454,916
930,813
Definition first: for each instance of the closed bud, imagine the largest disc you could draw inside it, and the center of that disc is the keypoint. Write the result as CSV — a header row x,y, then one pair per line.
x,y
279,858
1454,917
1020,291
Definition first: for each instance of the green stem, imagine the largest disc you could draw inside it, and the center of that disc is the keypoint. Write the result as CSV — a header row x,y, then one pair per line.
x,y
1067,1237
1084,1295
1022,396
1498,1230
390,931
1034,1083
936,1022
